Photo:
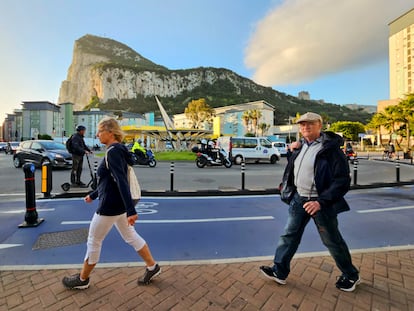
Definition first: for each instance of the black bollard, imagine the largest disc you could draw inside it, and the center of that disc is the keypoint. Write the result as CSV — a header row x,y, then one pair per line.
x,y
46,179
355,172
242,175
172,176
30,217
397,169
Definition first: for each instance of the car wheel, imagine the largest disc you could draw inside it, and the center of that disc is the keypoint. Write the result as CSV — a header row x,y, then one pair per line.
x,y
238,159
273,159
16,162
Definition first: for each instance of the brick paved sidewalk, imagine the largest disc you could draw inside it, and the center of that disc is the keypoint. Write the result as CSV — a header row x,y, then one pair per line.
x,y
388,284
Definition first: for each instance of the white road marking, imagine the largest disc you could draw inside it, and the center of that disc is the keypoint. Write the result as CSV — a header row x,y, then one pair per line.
x,y
388,209
175,221
3,246
24,211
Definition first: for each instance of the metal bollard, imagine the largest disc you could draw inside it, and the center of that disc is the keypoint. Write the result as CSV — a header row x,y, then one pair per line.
x,y
397,169
30,217
46,184
355,172
172,176
242,175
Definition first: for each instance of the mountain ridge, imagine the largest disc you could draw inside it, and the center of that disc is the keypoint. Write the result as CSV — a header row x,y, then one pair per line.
x,y
110,75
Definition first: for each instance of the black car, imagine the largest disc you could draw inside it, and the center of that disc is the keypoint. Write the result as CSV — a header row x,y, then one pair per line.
x,y
40,151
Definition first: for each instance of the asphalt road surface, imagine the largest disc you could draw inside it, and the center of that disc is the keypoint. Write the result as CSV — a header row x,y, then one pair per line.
x,y
186,176
199,228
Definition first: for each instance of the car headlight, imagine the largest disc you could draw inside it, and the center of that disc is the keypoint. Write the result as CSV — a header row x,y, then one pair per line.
x,y
58,156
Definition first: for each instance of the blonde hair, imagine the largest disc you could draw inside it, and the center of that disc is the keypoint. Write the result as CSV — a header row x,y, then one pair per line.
x,y
111,125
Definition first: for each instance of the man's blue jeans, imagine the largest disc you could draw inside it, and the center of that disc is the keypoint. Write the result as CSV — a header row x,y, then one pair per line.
x,y
328,230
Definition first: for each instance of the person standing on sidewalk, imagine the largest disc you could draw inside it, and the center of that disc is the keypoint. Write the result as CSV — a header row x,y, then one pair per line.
x,y
116,207
314,183
78,149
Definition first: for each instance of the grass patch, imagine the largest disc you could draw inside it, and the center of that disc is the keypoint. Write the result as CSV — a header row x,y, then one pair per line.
x,y
175,156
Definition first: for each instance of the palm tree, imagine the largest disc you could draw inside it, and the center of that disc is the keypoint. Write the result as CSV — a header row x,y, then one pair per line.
x,y
376,123
246,119
255,115
407,115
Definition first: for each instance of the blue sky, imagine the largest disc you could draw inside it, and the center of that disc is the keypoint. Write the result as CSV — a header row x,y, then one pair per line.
x,y
335,50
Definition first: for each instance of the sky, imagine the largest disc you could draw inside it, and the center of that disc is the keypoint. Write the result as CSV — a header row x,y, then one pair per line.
x,y
335,50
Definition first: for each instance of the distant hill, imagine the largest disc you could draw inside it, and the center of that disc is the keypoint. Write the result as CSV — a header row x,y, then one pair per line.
x,y
107,74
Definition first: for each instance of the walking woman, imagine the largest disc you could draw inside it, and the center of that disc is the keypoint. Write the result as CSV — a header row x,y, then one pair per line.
x,y
116,207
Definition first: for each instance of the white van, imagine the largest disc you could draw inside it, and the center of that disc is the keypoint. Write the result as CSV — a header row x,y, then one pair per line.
x,y
249,149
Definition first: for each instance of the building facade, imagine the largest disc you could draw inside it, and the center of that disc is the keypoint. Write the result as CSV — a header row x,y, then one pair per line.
x,y
401,55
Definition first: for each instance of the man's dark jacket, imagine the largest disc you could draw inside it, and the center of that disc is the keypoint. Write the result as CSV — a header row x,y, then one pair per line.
x,y
78,145
332,176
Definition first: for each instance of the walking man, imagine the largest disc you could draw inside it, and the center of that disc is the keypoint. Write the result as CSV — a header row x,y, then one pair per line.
x,y
78,149
315,181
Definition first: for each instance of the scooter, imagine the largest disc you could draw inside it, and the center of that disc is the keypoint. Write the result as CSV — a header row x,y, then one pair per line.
x,y
351,156
204,159
93,183
148,160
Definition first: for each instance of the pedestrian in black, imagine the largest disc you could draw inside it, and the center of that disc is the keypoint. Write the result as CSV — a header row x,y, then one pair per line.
x,y
314,183
78,149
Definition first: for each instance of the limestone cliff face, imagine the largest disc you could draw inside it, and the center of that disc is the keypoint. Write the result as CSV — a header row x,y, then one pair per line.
x,y
110,70
122,79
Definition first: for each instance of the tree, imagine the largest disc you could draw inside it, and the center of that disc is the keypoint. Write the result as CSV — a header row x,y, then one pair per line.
x,y
349,130
377,121
251,119
198,111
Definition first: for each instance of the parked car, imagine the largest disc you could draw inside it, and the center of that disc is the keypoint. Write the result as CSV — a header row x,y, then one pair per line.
x,y
11,147
281,146
40,151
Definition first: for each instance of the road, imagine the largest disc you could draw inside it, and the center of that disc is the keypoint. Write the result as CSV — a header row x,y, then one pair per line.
x,y
199,228
187,176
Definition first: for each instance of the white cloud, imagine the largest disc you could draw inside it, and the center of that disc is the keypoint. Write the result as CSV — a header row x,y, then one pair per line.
x,y
301,40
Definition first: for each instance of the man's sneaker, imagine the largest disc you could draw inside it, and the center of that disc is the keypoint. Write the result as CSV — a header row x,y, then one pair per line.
x,y
74,282
148,275
270,274
346,284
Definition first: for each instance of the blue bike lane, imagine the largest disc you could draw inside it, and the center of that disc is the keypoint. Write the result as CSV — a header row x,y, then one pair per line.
x,y
198,228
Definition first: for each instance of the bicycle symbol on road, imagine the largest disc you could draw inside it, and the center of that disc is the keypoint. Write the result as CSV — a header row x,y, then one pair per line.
x,y
146,208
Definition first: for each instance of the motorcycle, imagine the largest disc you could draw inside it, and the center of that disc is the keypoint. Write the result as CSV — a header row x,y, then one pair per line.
x,y
351,156
203,158
149,159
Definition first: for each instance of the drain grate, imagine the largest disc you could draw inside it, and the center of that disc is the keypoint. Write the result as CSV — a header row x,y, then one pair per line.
x,y
62,238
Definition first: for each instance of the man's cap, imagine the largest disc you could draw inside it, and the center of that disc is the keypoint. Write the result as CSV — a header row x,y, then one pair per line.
x,y
309,117
80,128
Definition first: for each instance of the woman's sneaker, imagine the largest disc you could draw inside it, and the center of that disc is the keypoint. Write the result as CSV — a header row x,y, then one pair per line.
x,y
148,275
270,274
74,282
346,284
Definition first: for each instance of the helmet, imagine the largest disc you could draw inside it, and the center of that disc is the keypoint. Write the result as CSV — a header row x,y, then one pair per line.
x,y
211,143
139,141
80,128
204,142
